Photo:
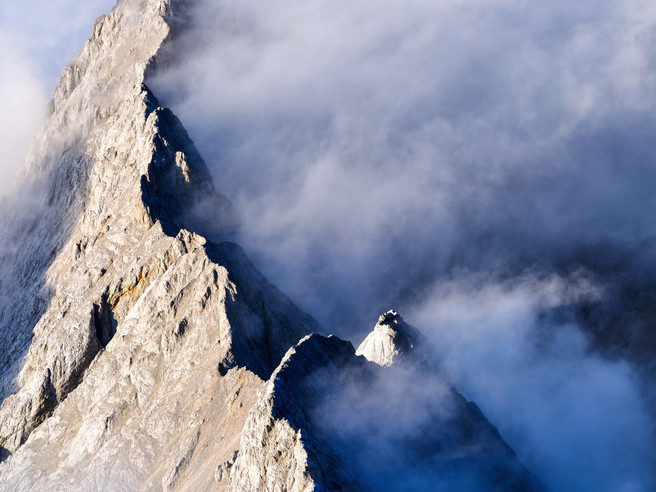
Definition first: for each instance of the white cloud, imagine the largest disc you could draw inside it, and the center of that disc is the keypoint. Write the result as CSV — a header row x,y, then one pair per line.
x,y
23,102
37,39
575,419
387,138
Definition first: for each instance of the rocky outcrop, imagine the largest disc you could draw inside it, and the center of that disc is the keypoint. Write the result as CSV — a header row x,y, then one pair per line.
x,y
331,420
391,339
125,276
57,179
280,449
84,169
164,401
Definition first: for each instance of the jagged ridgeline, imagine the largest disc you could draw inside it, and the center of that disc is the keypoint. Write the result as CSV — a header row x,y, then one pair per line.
x,y
137,354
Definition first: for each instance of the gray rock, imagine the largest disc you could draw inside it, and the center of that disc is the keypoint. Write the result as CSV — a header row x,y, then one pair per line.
x,y
279,449
391,339
140,350
149,328
223,470
330,420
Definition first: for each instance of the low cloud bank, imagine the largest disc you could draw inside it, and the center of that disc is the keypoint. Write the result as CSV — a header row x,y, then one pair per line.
x,y
575,419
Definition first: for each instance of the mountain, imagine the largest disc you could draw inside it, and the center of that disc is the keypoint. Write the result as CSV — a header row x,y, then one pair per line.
x,y
328,419
136,353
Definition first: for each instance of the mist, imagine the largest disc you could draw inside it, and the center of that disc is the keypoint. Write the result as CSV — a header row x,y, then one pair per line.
x,y
403,428
575,419
382,146
37,40
484,169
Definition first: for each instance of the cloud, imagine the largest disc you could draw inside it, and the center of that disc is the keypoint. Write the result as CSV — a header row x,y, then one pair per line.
x,y
403,428
23,102
575,419
377,151
380,145
37,40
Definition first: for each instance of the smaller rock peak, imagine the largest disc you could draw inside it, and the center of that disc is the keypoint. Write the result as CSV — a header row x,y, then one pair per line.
x,y
389,317
391,339
311,352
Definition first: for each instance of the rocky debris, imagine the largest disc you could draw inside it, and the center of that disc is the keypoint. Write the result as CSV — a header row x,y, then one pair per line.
x,y
222,471
391,339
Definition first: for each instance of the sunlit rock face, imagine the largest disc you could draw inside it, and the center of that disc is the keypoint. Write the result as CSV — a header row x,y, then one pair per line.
x,y
391,339
136,303
141,350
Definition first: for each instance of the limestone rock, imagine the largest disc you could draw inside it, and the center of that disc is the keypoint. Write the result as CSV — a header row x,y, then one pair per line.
x,y
142,350
135,302
56,181
330,420
278,448
391,339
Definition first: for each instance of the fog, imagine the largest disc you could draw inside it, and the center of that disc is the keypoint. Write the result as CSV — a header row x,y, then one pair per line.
x,y
576,420
37,40
381,146
480,168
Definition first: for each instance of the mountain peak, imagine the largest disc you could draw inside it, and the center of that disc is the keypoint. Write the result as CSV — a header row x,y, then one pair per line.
x,y
329,420
389,317
391,339
125,192
158,357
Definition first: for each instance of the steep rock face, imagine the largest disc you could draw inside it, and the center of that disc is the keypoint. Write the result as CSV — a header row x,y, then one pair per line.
x,y
278,448
162,404
119,248
80,169
330,420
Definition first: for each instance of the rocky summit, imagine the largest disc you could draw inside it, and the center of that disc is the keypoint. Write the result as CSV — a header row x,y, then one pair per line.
x,y
140,351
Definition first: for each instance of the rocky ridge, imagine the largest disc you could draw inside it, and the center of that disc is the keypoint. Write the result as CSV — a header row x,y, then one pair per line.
x,y
57,176
140,179
392,339
144,356
329,419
